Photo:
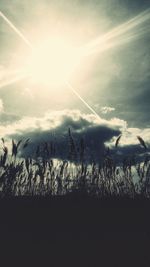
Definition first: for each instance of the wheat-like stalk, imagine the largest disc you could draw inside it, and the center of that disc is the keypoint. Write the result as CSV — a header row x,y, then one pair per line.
x,y
141,141
118,140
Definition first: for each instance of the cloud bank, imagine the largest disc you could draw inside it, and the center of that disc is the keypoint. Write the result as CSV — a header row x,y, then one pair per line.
x,y
98,134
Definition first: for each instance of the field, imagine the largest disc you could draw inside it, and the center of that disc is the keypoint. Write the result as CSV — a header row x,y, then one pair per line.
x,y
73,212
45,176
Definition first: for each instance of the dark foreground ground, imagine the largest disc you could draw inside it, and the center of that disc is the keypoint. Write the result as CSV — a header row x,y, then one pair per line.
x,y
74,231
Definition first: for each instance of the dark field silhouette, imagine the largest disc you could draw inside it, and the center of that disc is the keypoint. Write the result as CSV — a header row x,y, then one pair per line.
x,y
71,212
45,176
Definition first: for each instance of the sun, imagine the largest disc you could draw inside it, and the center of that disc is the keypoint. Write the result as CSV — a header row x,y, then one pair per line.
x,y
53,61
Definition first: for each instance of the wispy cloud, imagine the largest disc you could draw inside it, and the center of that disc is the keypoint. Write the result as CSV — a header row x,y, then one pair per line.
x,y
106,110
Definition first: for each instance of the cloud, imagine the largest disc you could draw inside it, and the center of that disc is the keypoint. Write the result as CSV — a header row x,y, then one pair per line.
x,y
129,145
129,137
53,120
97,133
106,110
54,126
6,120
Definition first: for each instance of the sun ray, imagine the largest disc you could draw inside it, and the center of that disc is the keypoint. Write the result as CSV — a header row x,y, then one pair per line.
x,y
119,31
9,72
12,81
19,33
118,42
100,44
83,101
30,45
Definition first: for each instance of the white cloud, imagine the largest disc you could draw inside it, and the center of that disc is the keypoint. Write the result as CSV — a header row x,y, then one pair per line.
x,y
106,110
129,137
53,119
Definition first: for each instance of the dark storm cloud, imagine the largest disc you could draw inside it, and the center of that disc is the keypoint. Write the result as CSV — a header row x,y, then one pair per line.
x,y
80,124
96,140
94,137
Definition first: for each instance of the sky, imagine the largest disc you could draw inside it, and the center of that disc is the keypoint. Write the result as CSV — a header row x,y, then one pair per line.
x,y
111,77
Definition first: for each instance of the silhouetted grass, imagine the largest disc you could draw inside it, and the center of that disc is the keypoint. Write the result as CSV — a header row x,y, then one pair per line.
x,y
45,177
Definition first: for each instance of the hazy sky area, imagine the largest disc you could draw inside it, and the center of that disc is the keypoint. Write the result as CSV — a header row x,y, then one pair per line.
x,y
113,77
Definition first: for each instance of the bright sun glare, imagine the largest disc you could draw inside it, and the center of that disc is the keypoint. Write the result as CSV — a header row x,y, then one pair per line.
x,y
53,62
